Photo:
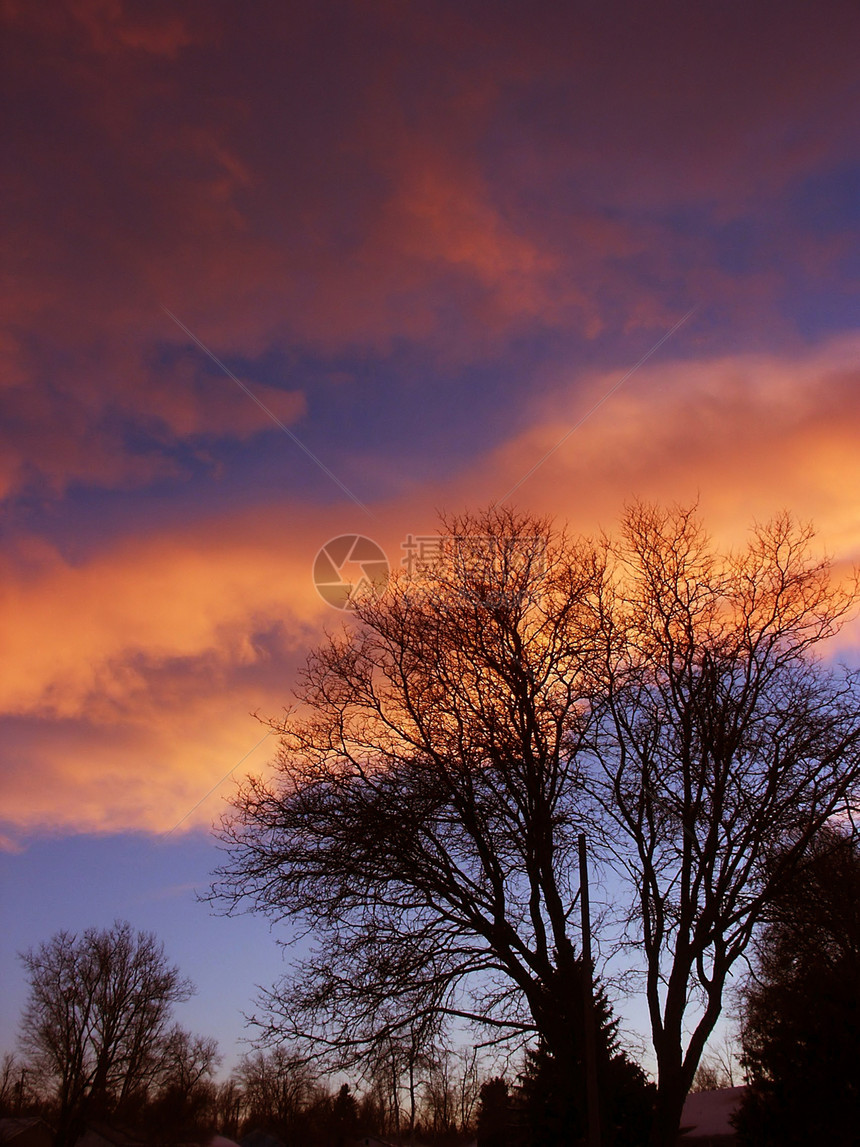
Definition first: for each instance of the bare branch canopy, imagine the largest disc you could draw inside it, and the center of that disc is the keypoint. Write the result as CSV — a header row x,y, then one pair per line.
x,y
449,746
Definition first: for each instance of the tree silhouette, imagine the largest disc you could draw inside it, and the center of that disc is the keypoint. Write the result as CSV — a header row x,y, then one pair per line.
x,y
450,745
97,1009
551,1113
425,826
801,1030
497,1124
724,746
181,1100
276,1090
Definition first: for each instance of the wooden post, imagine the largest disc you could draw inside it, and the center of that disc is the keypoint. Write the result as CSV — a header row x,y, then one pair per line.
x,y
592,1095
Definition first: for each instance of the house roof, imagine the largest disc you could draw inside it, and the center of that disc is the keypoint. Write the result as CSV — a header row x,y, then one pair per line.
x,y
10,1129
708,1113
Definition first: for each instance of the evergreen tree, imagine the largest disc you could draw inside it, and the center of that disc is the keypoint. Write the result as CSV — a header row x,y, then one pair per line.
x,y
496,1115
801,1032
552,1105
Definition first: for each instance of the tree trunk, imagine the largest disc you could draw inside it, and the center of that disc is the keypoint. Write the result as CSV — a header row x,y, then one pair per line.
x,y
70,1127
671,1094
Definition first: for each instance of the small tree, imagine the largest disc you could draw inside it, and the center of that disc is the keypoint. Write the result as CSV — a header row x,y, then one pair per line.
x,y
97,1009
228,1105
467,1090
450,1093
710,1077
497,1124
546,1117
277,1090
719,1068
801,1016
344,1120
15,1094
183,1104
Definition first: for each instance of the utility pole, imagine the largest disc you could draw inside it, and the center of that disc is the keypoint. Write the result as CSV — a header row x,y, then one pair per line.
x,y
592,1096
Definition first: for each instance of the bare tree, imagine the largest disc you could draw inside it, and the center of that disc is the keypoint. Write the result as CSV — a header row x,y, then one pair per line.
x,y
439,1100
228,1106
724,1058
450,745
186,1060
711,1075
14,1093
424,817
451,1091
276,1088
184,1097
9,1069
720,1065
468,1089
98,1005
725,746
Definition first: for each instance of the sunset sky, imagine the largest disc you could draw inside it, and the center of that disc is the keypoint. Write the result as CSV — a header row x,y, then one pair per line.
x,y
429,239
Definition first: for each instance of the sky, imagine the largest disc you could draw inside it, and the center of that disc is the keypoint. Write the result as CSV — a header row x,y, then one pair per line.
x,y
278,273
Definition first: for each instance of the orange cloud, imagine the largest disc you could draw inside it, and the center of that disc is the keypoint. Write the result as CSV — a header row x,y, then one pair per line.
x,y
128,676
73,632
750,434
128,679
146,773
747,436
